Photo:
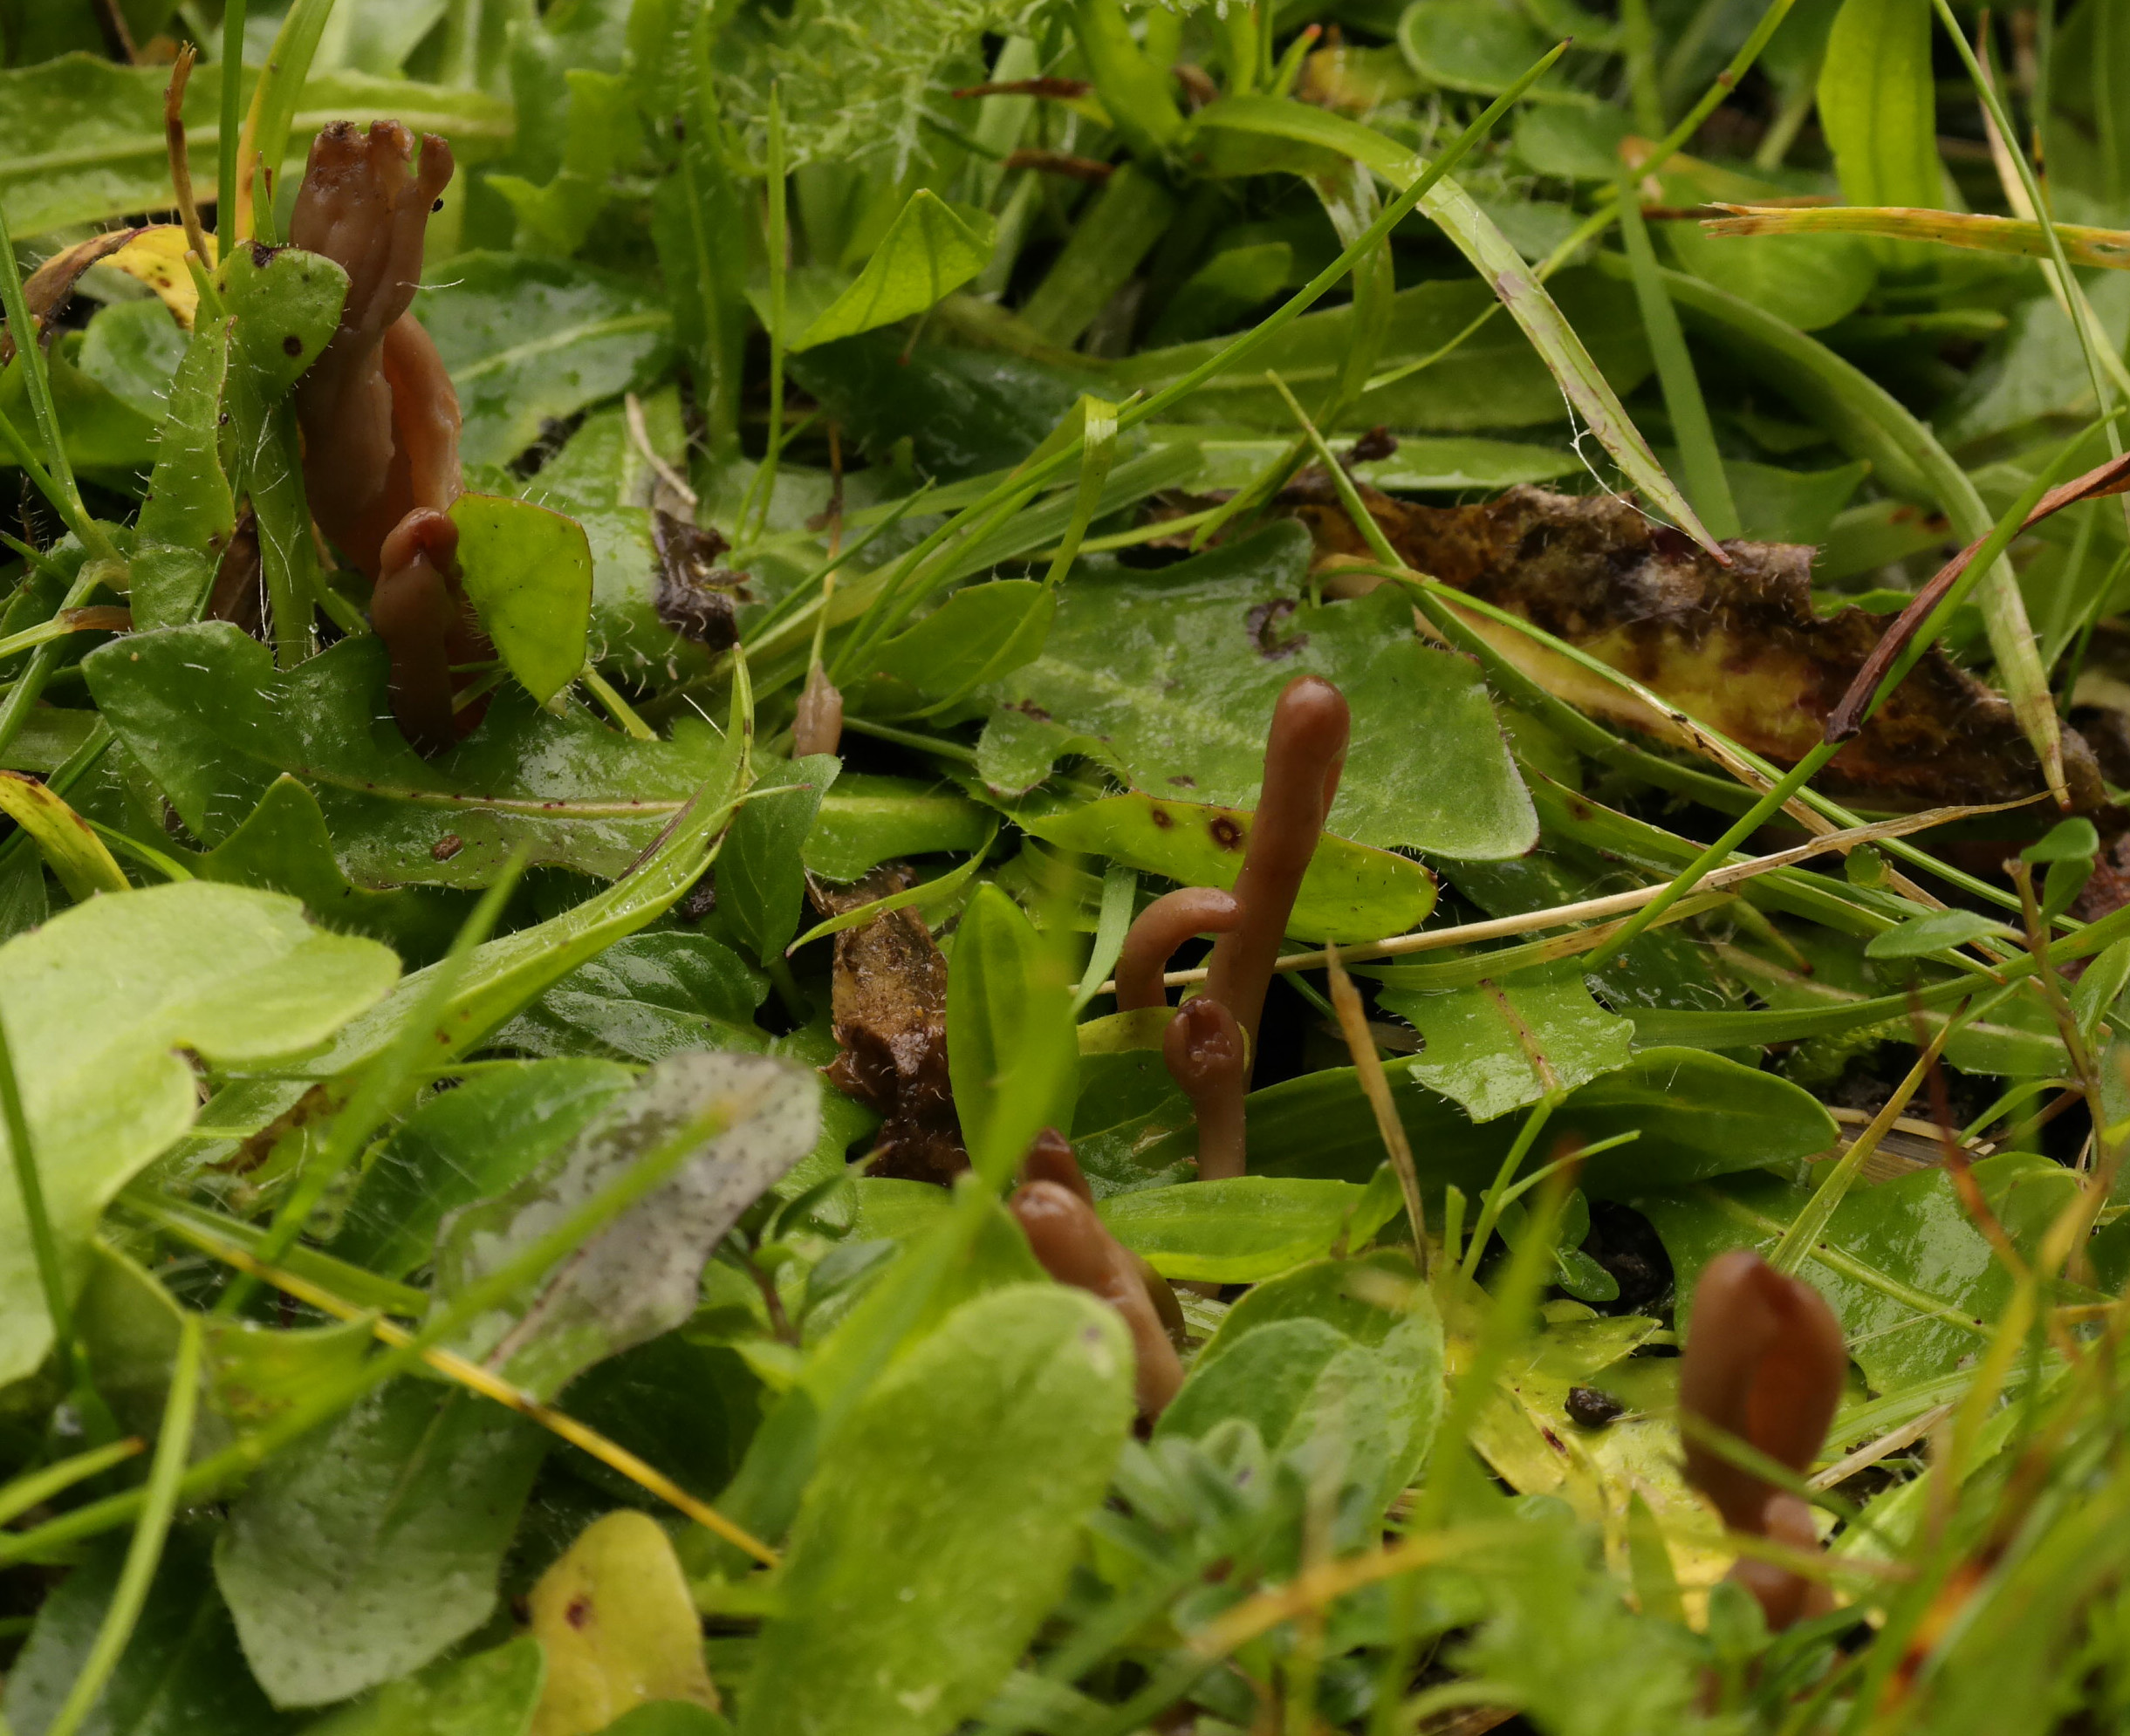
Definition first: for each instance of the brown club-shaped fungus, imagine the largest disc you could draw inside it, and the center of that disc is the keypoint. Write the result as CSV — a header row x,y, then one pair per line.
x,y
379,418
1211,1043
1056,1210
1764,1363
1304,751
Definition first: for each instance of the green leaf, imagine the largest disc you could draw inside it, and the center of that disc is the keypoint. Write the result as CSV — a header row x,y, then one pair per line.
x,y
464,1145
2072,840
645,997
755,1116
602,137
492,1693
1223,289
1470,46
81,138
992,1441
1920,936
203,709
1498,1046
530,340
1878,103
1350,893
1177,672
528,572
1914,1282
282,846
761,881
180,1671
1010,1048
867,819
190,505
1246,1228
1363,1411
1589,395
982,632
384,1530
931,249
101,1004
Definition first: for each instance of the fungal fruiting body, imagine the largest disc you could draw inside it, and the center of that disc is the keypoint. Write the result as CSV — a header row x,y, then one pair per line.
x,y
379,418
1764,1363
1211,1043
1055,1211
1304,751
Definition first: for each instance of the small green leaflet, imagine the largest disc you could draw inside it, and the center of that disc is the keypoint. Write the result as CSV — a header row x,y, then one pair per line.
x,y
528,572
932,248
1497,1046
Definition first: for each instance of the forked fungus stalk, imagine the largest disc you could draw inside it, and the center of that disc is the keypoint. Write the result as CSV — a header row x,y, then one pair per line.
x,y
379,418
1056,1210
1212,1043
1157,931
1764,1363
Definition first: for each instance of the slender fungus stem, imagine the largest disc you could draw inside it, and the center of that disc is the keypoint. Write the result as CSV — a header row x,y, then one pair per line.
x,y
1158,930
1056,1210
1209,1058
1765,1364
1304,753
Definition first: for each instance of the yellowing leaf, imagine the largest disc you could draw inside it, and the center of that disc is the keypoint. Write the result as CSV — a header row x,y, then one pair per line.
x,y
529,572
619,1627
931,249
156,256
73,852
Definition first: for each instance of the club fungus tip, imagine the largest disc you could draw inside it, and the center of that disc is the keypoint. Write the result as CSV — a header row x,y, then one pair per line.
x,y
1056,1212
1764,1363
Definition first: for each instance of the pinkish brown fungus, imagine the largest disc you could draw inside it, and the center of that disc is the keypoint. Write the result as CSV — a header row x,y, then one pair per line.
x,y
1056,1210
1304,751
1764,1363
1157,931
379,418
1209,1058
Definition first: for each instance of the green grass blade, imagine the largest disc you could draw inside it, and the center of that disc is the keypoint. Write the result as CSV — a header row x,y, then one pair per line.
x,y
151,1530
273,115
232,112
1707,485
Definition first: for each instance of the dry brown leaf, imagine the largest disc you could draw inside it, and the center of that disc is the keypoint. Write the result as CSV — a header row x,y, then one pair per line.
x,y
1741,650
888,1007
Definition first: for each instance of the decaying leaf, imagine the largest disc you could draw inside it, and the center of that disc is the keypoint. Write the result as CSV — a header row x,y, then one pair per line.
x,y
889,1006
1741,650
695,597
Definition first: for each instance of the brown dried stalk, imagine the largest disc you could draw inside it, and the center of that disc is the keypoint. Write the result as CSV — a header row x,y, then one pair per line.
x,y
1056,1210
1765,1364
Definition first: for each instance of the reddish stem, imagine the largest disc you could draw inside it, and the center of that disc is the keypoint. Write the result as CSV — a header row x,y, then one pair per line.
x,y
1209,1058
1304,751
